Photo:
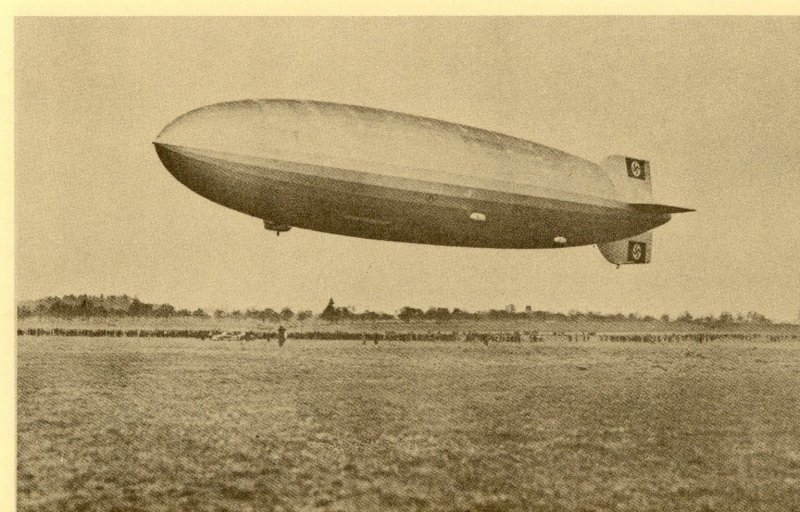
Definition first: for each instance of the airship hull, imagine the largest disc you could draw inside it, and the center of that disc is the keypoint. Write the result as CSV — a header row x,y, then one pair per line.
x,y
397,206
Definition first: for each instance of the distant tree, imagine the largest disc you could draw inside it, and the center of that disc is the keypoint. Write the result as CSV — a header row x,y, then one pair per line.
x,y
757,318
372,316
329,313
219,313
460,314
437,314
84,307
165,311
708,319
286,314
304,315
344,313
199,313
408,313
665,317
269,315
138,308
685,317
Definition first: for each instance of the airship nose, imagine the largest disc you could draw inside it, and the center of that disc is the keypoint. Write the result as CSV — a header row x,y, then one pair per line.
x,y
185,142
203,149
191,137
229,127
193,129
181,164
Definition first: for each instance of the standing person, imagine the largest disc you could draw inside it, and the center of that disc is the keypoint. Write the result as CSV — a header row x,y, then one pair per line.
x,y
281,336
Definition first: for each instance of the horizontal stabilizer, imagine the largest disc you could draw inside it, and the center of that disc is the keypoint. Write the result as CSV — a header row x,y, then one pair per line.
x,y
656,209
633,250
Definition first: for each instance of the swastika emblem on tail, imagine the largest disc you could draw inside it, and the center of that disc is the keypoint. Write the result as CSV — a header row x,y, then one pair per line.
x,y
637,168
637,252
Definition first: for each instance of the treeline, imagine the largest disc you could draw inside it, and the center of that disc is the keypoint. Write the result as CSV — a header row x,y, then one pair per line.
x,y
444,314
122,306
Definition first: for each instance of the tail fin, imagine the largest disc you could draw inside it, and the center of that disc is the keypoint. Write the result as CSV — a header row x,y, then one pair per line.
x,y
631,178
630,251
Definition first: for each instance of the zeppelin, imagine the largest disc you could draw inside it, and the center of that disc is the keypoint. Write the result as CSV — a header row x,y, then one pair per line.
x,y
384,175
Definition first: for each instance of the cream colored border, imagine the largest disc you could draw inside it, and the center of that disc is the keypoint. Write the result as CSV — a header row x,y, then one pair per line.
x,y
400,7
249,8
8,377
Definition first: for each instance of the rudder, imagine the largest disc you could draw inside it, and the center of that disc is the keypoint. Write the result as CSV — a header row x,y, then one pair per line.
x,y
629,251
631,178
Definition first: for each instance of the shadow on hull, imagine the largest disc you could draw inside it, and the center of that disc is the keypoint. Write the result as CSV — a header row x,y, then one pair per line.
x,y
281,194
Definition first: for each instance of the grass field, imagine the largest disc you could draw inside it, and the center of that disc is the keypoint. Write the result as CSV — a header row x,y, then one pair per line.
x,y
172,424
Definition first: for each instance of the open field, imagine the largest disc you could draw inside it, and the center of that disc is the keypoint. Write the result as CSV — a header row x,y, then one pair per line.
x,y
175,424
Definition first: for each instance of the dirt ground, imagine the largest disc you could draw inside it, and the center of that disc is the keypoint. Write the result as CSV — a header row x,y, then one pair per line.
x,y
174,424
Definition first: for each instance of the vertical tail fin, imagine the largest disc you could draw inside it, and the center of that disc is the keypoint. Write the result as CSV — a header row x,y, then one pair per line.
x,y
631,178
630,251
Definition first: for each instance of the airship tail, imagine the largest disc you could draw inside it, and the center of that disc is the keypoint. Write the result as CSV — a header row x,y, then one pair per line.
x,y
629,251
631,178
658,209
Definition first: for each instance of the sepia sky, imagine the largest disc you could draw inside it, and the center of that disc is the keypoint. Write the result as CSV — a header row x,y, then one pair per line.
x,y
713,103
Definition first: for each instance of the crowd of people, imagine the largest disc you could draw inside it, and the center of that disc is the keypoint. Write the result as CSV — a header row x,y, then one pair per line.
x,y
281,335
